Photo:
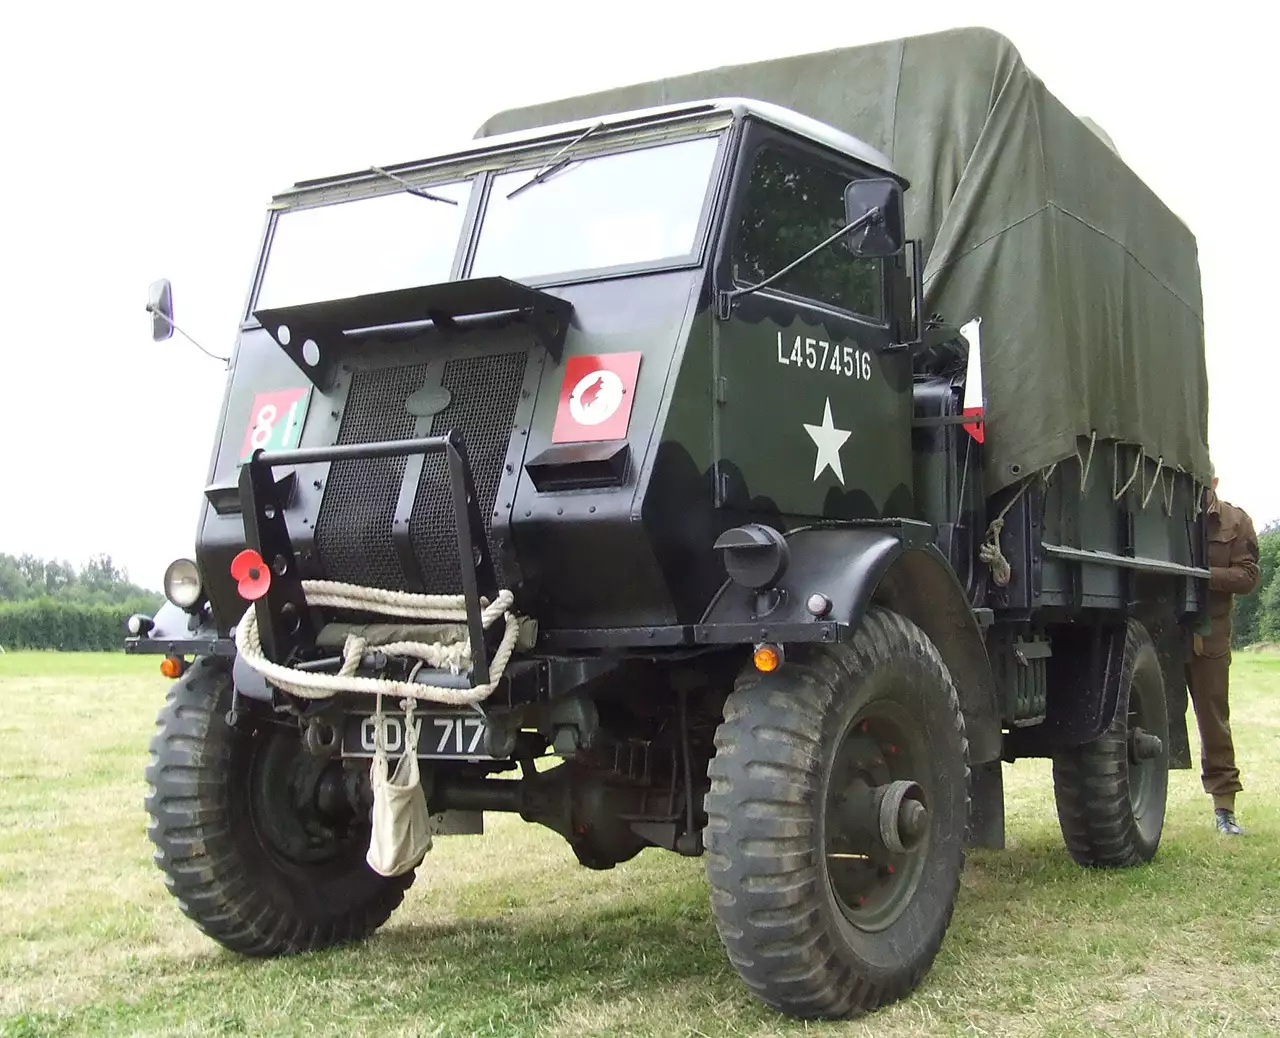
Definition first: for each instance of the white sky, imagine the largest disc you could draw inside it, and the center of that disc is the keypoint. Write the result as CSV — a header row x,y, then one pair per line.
x,y
145,140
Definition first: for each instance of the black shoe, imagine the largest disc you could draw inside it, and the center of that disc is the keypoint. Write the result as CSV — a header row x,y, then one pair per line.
x,y
1226,822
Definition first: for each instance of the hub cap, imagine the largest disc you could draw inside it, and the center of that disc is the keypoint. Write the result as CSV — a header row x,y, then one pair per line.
x,y
876,825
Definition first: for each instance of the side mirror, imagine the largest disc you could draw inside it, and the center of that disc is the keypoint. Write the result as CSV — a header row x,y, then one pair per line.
x,y
160,307
882,236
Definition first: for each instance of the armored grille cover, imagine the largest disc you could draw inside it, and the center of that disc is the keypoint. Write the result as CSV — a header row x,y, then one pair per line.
x,y
356,520
353,529
484,392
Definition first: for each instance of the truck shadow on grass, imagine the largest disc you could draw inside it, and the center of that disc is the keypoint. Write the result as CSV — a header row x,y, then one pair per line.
x,y
639,948
535,959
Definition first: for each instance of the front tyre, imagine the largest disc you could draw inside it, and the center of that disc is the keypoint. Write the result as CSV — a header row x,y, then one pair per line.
x,y
836,821
254,835
1111,793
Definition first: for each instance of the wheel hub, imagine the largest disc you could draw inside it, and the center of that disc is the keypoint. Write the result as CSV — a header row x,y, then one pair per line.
x,y
903,817
878,819
298,801
1143,746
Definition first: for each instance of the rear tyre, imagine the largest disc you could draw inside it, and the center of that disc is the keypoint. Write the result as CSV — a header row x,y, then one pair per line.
x,y
254,835
836,821
1111,793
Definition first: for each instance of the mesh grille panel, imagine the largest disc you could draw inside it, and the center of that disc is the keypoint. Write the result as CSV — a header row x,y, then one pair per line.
x,y
485,393
353,529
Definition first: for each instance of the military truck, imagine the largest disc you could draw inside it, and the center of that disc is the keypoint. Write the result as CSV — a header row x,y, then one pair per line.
x,y
747,464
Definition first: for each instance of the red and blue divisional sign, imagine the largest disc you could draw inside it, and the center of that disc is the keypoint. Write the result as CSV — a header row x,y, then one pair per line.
x,y
595,397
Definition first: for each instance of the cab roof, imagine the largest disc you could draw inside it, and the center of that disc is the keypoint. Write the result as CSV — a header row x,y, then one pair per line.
x,y
735,108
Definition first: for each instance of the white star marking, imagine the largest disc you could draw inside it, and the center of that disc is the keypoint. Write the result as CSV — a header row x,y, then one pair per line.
x,y
829,440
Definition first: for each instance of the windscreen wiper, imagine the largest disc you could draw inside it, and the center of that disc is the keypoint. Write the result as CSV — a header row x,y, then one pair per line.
x,y
413,189
558,161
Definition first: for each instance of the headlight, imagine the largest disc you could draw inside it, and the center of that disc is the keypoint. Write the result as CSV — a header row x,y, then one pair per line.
x,y
182,583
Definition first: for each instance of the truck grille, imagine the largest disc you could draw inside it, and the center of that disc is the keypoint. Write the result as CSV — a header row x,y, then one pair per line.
x,y
353,529
485,391
354,526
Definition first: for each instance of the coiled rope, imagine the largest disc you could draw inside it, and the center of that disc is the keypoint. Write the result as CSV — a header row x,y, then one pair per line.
x,y
989,552
440,655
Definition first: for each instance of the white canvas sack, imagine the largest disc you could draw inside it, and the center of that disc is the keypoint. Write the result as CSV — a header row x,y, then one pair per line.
x,y
401,833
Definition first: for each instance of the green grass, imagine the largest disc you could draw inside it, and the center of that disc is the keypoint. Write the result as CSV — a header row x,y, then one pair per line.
x,y
506,935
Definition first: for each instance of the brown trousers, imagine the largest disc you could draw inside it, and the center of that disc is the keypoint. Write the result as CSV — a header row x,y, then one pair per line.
x,y
1208,679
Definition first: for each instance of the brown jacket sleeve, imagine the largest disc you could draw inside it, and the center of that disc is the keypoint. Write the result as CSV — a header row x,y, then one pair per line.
x,y
1242,575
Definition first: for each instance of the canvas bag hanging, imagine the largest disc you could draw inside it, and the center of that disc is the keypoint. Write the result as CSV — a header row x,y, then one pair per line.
x,y
401,833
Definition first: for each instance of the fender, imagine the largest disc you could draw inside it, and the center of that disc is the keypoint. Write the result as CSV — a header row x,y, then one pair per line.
x,y
852,567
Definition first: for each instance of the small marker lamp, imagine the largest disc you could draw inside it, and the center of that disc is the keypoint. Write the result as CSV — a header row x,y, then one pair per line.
x,y
767,658
139,624
172,666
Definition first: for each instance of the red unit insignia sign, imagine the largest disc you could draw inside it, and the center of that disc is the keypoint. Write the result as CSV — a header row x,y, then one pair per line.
x,y
596,397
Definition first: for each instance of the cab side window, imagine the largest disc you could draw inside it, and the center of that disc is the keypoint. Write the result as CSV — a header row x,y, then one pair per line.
x,y
792,203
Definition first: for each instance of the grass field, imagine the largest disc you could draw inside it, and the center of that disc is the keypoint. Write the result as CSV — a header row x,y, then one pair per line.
x,y
506,935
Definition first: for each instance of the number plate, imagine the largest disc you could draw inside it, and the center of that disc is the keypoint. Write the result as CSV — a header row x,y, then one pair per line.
x,y
457,736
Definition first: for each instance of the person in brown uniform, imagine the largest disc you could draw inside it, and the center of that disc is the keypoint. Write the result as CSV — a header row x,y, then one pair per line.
x,y
1233,570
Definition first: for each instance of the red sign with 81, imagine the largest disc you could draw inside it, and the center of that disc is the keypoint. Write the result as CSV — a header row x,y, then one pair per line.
x,y
275,421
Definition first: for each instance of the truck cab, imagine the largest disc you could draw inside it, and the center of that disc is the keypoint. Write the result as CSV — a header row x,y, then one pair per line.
x,y
552,297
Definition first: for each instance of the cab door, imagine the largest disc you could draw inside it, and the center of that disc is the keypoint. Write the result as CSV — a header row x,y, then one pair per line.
x,y
813,395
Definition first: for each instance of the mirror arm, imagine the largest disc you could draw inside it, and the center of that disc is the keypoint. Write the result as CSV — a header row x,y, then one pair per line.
x,y
727,297
153,309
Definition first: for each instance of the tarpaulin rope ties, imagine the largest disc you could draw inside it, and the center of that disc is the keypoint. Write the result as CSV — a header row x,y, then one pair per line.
x,y
1147,496
1086,463
1137,462
440,655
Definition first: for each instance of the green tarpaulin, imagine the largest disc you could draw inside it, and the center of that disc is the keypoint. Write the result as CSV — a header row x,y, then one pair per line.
x,y
1087,285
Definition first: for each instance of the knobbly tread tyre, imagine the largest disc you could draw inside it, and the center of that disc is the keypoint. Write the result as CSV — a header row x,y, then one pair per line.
x,y
212,860
1091,782
765,860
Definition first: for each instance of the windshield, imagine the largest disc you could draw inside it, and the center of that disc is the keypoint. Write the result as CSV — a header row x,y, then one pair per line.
x,y
606,211
628,208
377,244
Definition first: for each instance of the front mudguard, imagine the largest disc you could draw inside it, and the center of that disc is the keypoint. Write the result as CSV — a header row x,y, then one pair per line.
x,y
852,567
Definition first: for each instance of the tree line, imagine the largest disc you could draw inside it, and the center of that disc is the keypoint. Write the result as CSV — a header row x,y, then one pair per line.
x,y
1257,618
50,604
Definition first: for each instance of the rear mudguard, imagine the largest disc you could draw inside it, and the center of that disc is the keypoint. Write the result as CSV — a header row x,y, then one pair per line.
x,y
853,567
